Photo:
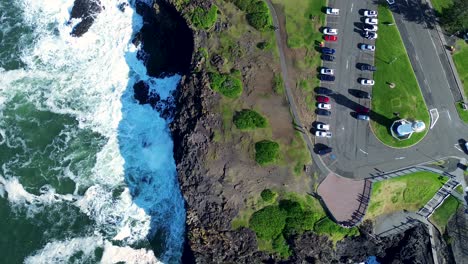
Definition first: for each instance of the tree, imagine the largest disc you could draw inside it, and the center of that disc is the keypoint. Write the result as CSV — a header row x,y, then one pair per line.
x,y
455,17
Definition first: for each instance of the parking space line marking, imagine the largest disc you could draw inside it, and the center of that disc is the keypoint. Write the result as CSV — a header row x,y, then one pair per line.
x,y
352,5
363,151
399,158
347,64
458,147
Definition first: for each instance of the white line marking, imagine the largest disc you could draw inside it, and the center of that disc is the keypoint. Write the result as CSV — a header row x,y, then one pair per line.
x,y
458,147
399,158
352,5
434,117
363,151
347,64
449,115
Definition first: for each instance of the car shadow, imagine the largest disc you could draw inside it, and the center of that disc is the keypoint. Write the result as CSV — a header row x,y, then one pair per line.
x,y
361,11
354,92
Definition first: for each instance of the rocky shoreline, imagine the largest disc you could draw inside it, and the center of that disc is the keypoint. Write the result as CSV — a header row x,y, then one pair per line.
x,y
209,236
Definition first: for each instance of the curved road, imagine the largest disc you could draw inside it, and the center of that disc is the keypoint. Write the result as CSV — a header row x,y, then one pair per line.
x,y
356,151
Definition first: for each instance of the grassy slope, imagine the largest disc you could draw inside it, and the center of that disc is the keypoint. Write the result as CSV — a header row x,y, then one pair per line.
x,y
462,112
460,57
440,4
442,215
409,192
406,97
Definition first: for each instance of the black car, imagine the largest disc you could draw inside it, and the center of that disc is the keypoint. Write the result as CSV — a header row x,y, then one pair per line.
x,y
326,77
322,112
363,94
367,67
324,151
328,57
323,90
326,50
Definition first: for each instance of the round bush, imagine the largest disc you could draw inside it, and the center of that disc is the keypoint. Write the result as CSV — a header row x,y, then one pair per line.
x,y
268,195
249,119
268,222
226,84
266,151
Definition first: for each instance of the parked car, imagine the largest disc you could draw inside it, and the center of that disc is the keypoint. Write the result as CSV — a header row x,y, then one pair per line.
x,y
370,13
323,126
327,71
324,106
330,31
328,57
324,151
323,99
367,81
330,38
332,11
369,27
322,112
363,117
390,2
328,78
367,47
326,50
370,35
372,21
362,110
363,94
326,134
367,67
323,90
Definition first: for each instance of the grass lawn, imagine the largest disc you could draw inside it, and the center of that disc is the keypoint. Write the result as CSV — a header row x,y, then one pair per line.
x,y
442,214
460,58
462,112
409,192
441,4
394,66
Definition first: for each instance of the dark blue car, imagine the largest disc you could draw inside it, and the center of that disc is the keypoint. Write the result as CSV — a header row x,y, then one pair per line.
x,y
326,50
325,77
328,57
323,90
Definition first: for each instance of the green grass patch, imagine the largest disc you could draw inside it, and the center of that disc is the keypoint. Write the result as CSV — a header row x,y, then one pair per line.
x,y
278,84
266,152
439,5
460,58
409,192
249,119
459,189
336,233
229,85
442,215
303,20
204,19
462,113
257,13
394,66
296,154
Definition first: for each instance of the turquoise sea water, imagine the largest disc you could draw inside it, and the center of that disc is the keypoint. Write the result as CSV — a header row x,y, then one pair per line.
x,y
87,174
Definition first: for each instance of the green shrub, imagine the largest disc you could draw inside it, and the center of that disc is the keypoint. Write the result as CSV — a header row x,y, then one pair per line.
x,y
328,227
266,151
260,21
243,5
297,220
268,222
278,84
226,84
263,45
258,14
268,195
280,245
249,119
204,19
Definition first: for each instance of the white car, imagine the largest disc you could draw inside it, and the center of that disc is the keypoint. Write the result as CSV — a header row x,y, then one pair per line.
x,y
333,11
367,47
367,82
324,106
370,13
371,21
326,134
323,127
370,35
330,31
327,71
390,2
369,27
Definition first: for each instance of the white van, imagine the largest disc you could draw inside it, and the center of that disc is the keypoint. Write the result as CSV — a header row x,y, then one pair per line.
x,y
333,11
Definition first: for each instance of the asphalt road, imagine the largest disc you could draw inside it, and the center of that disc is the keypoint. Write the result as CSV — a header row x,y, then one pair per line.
x,y
356,151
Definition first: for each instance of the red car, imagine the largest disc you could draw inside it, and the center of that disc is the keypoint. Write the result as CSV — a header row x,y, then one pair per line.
x,y
323,99
362,110
331,38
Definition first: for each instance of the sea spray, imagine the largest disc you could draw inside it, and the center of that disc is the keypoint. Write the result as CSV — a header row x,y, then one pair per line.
x,y
86,171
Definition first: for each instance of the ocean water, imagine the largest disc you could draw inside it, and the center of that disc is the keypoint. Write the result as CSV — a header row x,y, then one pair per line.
x,y
87,174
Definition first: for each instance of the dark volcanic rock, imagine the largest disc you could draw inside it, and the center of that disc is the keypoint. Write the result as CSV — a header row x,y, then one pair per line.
x,y
167,40
144,95
87,11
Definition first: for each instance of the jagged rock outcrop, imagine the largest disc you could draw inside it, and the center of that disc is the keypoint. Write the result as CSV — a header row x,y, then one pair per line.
x,y
86,10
